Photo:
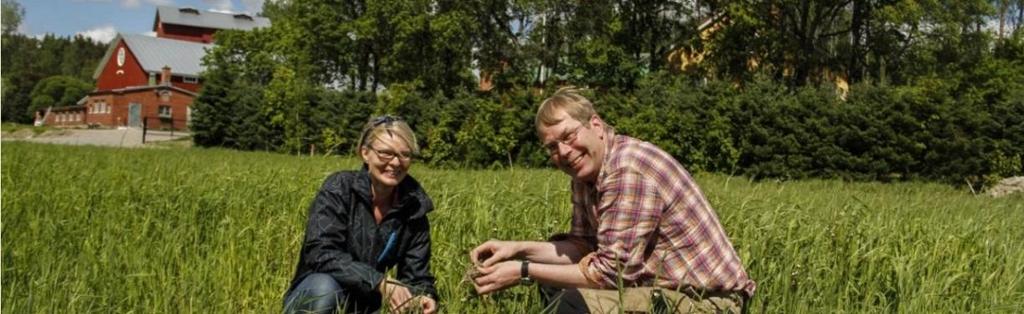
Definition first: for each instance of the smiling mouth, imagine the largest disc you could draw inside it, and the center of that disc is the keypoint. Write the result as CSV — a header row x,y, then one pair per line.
x,y
393,173
576,161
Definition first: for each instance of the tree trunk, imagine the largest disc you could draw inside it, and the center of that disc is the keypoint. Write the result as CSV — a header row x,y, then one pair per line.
x,y
854,67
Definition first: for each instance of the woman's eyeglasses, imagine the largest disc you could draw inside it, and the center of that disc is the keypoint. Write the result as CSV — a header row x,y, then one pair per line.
x,y
387,155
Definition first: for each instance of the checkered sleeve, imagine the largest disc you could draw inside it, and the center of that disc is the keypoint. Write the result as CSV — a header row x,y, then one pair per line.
x,y
629,209
582,225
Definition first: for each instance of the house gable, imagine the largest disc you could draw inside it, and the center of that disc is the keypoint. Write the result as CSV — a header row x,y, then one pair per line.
x,y
119,67
144,59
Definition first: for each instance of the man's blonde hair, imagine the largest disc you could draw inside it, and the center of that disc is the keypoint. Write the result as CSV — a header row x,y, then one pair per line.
x,y
567,99
380,126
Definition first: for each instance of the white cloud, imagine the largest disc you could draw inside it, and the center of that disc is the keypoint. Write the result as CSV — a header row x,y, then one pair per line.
x,y
132,3
159,2
223,6
101,34
253,5
137,3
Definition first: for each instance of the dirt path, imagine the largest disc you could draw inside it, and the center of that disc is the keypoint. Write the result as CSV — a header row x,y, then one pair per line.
x,y
125,137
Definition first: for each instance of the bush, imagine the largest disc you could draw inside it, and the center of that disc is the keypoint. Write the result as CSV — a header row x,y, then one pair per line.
x,y
934,129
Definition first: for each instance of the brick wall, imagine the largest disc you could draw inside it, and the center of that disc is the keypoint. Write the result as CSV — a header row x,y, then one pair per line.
x,y
150,99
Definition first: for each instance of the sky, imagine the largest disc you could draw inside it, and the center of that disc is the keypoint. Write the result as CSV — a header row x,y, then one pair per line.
x,y
101,20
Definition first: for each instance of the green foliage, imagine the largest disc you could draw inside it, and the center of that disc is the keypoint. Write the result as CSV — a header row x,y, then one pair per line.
x,y
58,91
928,98
28,61
212,230
12,15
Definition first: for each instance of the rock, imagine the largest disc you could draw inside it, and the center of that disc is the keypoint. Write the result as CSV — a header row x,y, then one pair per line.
x,y
1007,186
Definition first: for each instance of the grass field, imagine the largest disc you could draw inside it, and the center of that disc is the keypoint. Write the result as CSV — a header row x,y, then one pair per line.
x,y
104,230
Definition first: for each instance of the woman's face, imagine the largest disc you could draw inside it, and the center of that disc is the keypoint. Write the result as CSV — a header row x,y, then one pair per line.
x,y
388,158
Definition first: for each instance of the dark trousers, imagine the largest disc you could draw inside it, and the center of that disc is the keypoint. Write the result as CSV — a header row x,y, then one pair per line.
x,y
639,300
320,294
557,300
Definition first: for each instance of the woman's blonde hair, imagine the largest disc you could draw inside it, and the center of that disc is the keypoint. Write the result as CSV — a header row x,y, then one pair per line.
x,y
392,126
569,100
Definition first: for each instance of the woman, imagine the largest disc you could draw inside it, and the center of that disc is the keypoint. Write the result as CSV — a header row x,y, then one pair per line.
x,y
362,223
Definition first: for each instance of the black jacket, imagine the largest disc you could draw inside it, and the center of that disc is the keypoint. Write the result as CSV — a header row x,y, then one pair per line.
x,y
343,239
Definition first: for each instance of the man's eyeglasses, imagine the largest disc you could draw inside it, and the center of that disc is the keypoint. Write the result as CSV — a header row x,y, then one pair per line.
x,y
567,139
387,155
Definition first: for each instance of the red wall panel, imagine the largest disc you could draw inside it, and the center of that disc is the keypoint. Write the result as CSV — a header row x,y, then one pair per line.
x,y
130,74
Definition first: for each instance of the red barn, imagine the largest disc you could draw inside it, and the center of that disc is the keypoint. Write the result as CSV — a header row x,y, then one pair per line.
x,y
192,25
151,81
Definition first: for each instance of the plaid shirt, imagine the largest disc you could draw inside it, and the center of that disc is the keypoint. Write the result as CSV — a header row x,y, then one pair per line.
x,y
652,225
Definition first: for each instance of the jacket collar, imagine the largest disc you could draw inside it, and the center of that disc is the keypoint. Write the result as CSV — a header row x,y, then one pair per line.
x,y
412,199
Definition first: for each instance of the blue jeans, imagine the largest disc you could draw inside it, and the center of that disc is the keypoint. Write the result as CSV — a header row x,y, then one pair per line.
x,y
319,293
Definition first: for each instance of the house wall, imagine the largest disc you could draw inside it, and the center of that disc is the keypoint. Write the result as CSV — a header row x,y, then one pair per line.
x,y
150,99
67,117
179,81
182,32
130,74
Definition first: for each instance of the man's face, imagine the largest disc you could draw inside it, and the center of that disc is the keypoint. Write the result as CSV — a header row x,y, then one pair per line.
x,y
574,147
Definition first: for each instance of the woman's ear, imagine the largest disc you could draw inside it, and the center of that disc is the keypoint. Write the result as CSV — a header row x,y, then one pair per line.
x,y
364,154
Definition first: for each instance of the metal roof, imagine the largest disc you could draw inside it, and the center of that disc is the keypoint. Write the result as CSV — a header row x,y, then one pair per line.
x,y
184,57
208,19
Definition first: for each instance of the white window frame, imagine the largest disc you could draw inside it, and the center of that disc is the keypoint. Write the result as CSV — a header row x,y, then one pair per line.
x,y
190,79
170,111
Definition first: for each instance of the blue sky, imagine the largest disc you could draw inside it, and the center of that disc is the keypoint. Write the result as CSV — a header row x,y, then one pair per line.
x,y
102,19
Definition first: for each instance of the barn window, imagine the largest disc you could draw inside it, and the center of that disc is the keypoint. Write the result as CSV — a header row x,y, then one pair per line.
x,y
99,107
165,111
190,79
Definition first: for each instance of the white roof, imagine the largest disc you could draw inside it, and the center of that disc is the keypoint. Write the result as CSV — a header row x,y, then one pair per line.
x,y
184,57
208,19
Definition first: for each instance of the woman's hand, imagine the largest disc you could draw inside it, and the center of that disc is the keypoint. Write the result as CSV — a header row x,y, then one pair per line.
x,y
395,293
399,298
492,252
497,277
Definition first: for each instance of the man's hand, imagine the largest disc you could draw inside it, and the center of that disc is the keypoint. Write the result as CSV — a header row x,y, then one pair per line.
x,y
492,252
497,277
428,305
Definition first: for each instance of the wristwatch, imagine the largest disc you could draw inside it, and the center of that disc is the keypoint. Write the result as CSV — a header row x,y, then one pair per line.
x,y
524,274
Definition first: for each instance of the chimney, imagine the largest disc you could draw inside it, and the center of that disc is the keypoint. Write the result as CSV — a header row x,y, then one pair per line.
x,y
165,76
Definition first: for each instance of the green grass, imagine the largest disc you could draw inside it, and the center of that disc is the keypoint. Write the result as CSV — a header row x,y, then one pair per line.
x,y
10,128
99,230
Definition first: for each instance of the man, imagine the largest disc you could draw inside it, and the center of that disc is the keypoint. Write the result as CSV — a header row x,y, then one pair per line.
x,y
643,236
